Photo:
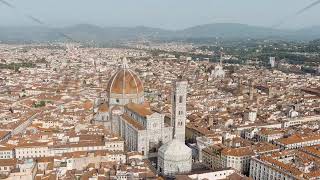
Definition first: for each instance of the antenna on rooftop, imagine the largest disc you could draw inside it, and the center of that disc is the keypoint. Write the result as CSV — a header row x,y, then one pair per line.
x,y
185,68
221,58
96,72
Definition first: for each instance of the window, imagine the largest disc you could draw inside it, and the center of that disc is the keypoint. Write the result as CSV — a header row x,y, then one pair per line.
x,y
180,99
117,100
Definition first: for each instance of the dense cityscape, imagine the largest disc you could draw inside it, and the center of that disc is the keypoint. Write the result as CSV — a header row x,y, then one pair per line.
x,y
159,90
162,110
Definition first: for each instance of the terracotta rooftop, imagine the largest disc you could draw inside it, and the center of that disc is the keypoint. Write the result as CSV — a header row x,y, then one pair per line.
x,y
298,139
141,110
125,81
131,121
243,151
282,166
8,162
103,108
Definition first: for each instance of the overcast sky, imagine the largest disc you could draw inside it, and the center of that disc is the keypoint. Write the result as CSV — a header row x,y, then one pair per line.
x,y
169,14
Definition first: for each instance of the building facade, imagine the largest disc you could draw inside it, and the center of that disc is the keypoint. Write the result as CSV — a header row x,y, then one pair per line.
x,y
175,157
143,130
179,108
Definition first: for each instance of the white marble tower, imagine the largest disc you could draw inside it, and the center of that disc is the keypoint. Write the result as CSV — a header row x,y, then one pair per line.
x,y
179,108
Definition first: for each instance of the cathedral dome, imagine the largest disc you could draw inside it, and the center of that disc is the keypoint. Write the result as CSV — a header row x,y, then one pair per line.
x,y
125,81
125,87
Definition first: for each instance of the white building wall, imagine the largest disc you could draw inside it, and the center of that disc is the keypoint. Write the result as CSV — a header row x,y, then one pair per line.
x,y
261,170
32,152
179,109
6,154
173,167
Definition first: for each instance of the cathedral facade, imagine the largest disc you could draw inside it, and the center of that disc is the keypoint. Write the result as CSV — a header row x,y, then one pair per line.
x,y
143,129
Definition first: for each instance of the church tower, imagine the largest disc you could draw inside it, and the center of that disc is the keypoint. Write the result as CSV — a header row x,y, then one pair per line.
x,y
179,108
251,90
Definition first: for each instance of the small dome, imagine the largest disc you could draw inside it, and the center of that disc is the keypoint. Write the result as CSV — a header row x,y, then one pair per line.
x,y
103,108
175,150
87,105
116,110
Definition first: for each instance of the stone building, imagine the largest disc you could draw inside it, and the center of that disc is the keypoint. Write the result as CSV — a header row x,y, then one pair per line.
x,y
179,108
175,157
123,87
218,71
143,129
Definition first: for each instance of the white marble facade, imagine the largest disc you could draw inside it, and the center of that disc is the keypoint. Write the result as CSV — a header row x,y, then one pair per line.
x,y
145,130
174,157
144,134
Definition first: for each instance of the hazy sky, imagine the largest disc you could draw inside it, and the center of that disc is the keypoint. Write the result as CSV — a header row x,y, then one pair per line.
x,y
169,14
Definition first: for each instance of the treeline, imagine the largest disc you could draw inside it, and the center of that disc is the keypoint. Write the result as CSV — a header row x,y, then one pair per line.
x,y
17,66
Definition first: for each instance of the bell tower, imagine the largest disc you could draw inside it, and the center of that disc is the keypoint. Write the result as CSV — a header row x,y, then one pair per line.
x,y
179,108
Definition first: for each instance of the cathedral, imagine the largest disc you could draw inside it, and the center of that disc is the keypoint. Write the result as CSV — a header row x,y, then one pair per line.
x,y
125,113
218,71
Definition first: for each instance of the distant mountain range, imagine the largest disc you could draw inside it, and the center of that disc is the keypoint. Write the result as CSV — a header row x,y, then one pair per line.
x,y
87,32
